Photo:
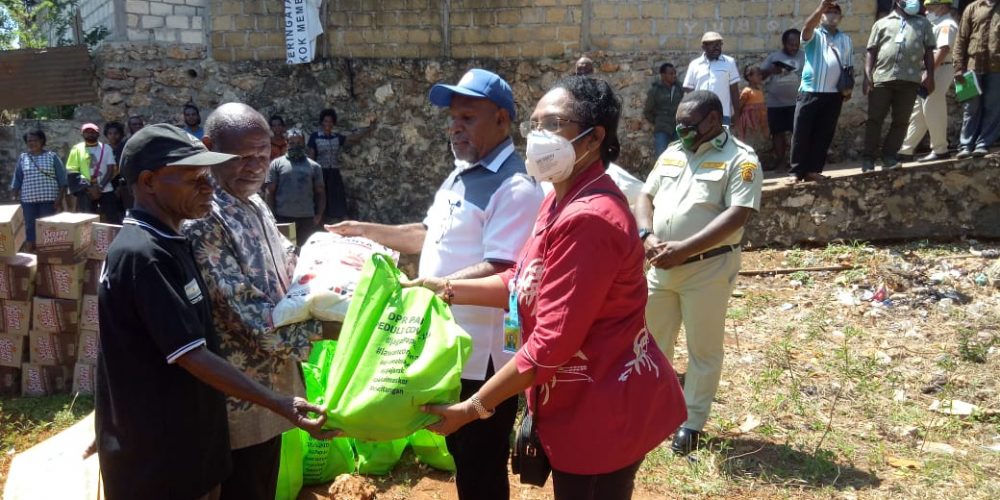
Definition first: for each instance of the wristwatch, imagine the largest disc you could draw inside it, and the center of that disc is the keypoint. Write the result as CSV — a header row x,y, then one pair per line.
x,y
644,233
477,404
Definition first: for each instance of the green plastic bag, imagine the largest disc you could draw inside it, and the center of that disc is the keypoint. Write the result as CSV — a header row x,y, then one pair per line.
x,y
322,460
378,457
432,449
399,349
290,467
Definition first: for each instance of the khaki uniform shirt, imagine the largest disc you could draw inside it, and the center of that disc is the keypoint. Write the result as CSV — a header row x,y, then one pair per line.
x,y
690,190
978,44
901,42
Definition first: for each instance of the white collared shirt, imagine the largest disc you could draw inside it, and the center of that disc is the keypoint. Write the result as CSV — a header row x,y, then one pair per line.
x,y
717,76
482,212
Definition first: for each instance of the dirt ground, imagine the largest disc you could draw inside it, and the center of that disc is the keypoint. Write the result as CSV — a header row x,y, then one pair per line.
x,y
829,384
876,380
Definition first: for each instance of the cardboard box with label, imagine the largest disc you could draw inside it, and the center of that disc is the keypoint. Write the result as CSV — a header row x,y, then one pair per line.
x,y
60,281
52,349
92,276
101,237
64,238
87,346
17,276
16,315
13,350
89,319
11,230
83,378
10,381
36,380
55,315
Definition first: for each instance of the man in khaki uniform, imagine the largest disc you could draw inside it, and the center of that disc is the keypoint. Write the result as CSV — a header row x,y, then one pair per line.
x,y
695,203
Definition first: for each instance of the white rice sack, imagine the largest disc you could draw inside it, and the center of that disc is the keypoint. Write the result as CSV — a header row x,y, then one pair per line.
x,y
325,277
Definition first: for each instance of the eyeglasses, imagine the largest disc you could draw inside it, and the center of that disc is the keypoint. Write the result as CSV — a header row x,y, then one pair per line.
x,y
687,129
551,124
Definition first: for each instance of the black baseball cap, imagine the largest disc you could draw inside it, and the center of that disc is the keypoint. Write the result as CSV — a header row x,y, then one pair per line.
x,y
163,145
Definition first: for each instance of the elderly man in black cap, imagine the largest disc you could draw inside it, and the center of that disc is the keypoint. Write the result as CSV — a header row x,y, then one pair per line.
x,y
160,393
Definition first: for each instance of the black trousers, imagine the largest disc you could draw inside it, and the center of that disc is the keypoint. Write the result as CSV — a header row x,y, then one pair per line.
x,y
816,116
336,197
255,472
615,485
482,449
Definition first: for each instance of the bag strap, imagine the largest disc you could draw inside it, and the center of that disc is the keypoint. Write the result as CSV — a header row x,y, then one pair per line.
x,y
835,53
39,169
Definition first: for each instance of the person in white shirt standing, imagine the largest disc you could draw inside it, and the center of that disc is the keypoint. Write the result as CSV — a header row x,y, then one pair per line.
x,y
930,112
717,73
480,219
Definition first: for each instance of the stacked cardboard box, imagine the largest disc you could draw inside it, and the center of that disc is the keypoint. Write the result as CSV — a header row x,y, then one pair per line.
x,y
17,282
63,242
85,370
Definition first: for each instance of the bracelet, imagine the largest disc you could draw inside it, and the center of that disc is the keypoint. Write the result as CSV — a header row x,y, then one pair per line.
x,y
448,294
477,404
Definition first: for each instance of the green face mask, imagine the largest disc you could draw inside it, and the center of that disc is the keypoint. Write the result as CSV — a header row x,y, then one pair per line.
x,y
688,134
688,137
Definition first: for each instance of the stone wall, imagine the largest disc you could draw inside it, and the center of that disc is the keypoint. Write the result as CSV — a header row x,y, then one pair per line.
x,y
940,201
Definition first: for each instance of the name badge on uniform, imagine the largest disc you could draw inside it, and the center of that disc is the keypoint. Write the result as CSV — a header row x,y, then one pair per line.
x,y
511,325
193,292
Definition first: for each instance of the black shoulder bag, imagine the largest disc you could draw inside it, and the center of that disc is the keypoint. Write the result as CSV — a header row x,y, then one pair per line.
x,y
845,84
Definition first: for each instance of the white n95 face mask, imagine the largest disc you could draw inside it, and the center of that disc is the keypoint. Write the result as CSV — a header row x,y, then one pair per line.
x,y
550,157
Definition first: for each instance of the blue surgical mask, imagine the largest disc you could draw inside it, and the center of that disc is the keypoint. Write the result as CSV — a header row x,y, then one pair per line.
x,y
911,7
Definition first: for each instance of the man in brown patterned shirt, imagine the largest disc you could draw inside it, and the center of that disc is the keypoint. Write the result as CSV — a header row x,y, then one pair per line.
x,y
247,266
978,50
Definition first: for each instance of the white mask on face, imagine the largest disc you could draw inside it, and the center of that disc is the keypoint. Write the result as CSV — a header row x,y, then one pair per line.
x,y
933,16
831,20
550,157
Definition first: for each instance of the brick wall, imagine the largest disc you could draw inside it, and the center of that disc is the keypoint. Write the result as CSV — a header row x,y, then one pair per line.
x,y
253,29
170,21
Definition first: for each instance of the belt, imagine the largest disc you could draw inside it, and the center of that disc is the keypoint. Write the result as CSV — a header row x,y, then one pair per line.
x,y
715,252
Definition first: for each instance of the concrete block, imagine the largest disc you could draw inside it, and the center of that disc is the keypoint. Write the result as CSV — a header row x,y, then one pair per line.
x,y
165,35
192,36
197,23
138,35
149,21
133,21
223,23
178,22
185,10
229,7
161,9
137,6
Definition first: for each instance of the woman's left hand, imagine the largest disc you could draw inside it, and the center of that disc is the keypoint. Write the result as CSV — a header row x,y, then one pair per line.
x,y
453,417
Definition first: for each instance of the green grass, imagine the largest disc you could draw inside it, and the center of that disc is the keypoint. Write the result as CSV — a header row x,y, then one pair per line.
x,y
26,421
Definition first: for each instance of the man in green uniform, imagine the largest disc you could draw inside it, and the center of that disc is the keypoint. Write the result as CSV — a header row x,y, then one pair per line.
x,y
695,203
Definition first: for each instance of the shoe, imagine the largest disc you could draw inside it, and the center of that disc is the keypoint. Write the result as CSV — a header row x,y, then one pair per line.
x,y
934,157
891,162
686,441
964,154
867,165
980,152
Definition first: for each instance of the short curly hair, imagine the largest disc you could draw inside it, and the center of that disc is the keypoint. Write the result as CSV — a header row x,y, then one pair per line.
x,y
595,104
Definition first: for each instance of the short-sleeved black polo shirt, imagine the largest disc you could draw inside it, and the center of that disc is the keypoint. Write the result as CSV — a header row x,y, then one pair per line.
x,y
161,433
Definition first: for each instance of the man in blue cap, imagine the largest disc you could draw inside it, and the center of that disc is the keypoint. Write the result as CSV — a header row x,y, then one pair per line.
x,y
481,216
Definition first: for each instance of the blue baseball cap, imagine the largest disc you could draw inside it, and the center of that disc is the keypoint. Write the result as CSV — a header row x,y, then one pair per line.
x,y
477,83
